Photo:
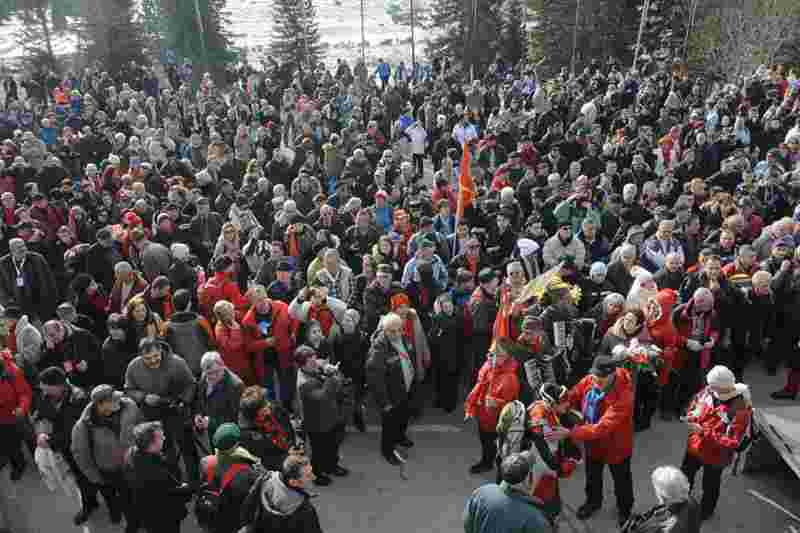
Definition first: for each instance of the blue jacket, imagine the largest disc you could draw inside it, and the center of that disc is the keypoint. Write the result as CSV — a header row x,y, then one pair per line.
x,y
502,509
384,70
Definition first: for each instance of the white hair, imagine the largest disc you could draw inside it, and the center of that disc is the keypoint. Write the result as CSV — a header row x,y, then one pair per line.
x,y
670,484
210,360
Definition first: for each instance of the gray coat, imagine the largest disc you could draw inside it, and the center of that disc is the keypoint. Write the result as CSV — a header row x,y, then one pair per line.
x,y
155,260
98,447
173,380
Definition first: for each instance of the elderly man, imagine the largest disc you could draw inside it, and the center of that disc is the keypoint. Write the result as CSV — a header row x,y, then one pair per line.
x,y
75,350
563,244
392,376
336,275
655,250
218,394
672,274
377,297
27,281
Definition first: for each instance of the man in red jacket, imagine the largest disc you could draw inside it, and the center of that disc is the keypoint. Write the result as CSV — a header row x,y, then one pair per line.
x,y
15,403
605,397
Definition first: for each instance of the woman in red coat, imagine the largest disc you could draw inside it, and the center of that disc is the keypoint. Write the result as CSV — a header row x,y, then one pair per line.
x,y
497,385
15,403
719,420
665,336
232,346
605,398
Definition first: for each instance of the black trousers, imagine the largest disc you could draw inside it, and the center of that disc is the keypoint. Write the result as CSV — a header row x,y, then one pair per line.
x,y
180,438
11,439
480,346
712,481
488,446
394,424
287,386
325,450
419,165
119,499
167,527
690,380
623,484
647,391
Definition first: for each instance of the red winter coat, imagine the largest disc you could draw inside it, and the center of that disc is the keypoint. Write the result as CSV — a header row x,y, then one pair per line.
x,y
220,287
663,333
724,424
610,440
14,391
237,357
497,386
281,329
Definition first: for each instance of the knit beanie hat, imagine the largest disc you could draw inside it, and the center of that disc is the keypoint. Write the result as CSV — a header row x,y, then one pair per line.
x,y
227,436
721,376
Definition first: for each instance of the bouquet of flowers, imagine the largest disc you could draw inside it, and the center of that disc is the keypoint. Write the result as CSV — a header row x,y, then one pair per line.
x,y
643,358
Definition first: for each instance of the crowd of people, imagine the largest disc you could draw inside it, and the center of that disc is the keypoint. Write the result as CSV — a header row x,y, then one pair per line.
x,y
203,289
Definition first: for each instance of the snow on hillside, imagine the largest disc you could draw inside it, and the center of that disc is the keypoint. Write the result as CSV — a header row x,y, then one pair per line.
x,y
339,21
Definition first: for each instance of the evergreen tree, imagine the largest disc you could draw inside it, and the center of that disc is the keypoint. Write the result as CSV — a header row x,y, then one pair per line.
x,y
512,36
205,41
111,34
471,40
665,27
40,23
295,34
606,28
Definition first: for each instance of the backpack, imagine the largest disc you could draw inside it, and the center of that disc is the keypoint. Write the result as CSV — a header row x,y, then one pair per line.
x,y
208,503
516,439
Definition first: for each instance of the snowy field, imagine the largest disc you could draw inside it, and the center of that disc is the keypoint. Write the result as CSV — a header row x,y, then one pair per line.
x,y
339,22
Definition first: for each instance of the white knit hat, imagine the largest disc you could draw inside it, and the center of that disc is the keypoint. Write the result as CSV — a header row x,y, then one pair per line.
x,y
721,376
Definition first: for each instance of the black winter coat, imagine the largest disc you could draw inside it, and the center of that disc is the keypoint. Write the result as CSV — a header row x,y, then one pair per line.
x,y
158,495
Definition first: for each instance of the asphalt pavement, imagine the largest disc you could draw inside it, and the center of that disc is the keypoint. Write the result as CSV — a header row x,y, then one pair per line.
x,y
375,497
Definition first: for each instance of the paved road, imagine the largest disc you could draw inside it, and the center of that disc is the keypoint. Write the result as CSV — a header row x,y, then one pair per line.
x,y
374,498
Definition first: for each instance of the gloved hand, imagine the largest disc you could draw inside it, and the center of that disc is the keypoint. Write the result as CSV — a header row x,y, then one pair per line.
x,y
694,345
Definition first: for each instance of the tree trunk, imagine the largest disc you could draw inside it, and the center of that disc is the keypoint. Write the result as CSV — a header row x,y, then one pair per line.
x,y
41,14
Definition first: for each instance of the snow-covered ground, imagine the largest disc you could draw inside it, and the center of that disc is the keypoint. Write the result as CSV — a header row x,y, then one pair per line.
x,y
339,22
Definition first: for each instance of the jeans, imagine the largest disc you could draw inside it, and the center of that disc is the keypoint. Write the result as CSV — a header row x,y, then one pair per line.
x,y
712,481
623,484
394,424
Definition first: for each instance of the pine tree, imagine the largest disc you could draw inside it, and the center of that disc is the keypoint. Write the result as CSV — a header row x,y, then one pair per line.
x,y
665,27
205,42
606,28
295,34
512,36
111,34
471,40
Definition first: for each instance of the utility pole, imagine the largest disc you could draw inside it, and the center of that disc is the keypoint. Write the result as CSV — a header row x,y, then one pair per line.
x,y
575,38
645,13
689,28
363,40
413,54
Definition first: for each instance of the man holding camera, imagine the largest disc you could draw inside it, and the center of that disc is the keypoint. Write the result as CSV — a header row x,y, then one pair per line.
x,y
163,387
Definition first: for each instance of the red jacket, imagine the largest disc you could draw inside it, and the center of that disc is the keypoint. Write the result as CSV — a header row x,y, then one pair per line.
x,y
220,287
281,329
496,387
237,357
724,424
14,391
663,332
610,440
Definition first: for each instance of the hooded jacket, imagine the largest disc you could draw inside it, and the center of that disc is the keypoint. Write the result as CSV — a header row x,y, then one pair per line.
x,y
100,447
233,496
272,505
496,386
682,319
15,393
610,440
663,333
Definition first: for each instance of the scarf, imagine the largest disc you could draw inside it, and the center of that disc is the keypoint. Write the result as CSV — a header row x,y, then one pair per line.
x,y
268,424
591,404
322,315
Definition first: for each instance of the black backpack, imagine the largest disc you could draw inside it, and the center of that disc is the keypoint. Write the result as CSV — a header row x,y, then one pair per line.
x,y
208,503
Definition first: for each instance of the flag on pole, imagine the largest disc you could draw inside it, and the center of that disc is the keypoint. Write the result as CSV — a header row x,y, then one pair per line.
x,y
466,185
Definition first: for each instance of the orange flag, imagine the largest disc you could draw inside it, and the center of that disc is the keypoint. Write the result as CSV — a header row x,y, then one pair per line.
x,y
466,185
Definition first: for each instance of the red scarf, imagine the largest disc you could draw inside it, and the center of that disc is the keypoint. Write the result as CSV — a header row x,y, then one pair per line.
x,y
324,316
267,423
